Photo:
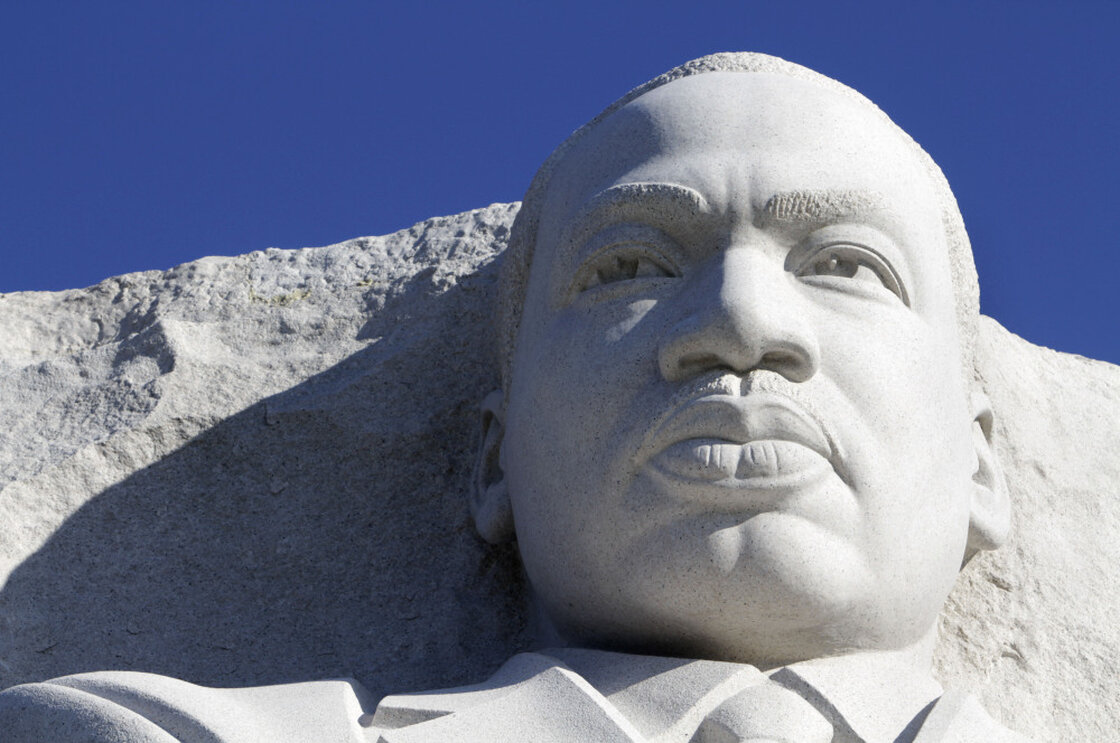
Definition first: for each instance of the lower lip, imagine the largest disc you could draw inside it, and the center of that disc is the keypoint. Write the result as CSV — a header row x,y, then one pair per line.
x,y
765,464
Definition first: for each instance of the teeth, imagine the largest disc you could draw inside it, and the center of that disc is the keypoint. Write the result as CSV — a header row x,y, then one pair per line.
x,y
708,460
758,458
724,458
713,460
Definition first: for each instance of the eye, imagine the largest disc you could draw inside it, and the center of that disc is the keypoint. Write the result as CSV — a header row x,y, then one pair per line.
x,y
623,265
845,265
627,259
622,259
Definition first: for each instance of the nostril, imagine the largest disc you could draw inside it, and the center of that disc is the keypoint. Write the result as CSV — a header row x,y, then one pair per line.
x,y
739,334
697,363
794,364
790,363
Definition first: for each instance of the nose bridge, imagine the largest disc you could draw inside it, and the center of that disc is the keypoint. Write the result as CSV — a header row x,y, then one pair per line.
x,y
750,288
742,313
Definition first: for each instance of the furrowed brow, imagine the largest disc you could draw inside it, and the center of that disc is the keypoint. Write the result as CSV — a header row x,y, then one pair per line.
x,y
633,202
820,206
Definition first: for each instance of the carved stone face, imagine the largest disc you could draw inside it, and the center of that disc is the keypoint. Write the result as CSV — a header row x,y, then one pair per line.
x,y
738,425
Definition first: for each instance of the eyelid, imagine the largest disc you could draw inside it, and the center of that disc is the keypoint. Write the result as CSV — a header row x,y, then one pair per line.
x,y
643,241
861,240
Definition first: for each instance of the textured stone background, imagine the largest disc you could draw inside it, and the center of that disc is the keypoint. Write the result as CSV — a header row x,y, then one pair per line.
x,y
253,470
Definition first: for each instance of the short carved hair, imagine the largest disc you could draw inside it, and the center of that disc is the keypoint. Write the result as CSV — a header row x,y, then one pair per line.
x,y
523,237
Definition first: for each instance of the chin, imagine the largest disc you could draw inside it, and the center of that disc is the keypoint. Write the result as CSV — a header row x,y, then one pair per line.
x,y
745,619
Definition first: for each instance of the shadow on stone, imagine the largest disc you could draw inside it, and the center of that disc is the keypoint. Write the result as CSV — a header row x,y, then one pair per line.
x,y
321,532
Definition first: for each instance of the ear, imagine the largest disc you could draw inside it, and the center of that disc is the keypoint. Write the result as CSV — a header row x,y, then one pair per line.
x,y
490,504
991,506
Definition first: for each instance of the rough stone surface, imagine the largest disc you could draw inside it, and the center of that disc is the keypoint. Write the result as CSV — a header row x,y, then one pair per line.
x,y
253,470
1033,627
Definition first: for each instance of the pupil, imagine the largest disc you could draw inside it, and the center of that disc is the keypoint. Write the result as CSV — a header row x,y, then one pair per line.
x,y
834,266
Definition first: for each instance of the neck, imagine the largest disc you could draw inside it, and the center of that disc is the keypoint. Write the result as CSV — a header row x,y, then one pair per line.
x,y
915,658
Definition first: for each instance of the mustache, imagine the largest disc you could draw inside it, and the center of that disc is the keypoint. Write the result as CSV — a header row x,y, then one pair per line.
x,y
743,385
760,382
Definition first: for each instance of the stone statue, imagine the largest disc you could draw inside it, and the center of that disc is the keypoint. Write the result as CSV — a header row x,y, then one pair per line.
x,y
739,443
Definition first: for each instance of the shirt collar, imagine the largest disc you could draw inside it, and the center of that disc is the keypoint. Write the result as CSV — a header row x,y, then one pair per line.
x,y
868,697
873,694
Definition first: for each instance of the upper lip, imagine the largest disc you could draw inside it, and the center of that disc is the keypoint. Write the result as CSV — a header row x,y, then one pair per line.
x,y
757,416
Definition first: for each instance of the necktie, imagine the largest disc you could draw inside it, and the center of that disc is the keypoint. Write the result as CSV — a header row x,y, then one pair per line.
x,y
764,713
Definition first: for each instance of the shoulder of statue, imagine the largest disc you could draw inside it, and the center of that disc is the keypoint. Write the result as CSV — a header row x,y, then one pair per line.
x,y
62,713
147,708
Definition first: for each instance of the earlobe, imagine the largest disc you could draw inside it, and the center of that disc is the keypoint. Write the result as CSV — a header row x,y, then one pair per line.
x,y
490,503
990,518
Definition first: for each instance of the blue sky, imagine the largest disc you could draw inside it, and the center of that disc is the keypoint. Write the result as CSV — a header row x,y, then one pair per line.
x,y
139,135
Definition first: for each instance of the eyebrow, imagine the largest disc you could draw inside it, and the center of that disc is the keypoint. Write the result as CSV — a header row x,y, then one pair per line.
x,y
820,205
634,201
628,200
650,192
809,205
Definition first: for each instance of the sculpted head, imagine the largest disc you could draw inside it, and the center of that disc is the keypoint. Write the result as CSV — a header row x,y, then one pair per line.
x,y
739,418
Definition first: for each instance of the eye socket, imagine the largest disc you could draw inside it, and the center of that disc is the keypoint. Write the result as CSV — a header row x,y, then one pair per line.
x,y
846,265
623,265
626,257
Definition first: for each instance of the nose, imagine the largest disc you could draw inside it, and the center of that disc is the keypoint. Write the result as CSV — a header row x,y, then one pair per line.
x,y
742,313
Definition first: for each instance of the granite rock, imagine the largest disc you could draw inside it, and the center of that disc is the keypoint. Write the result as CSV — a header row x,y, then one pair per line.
x,y
253,470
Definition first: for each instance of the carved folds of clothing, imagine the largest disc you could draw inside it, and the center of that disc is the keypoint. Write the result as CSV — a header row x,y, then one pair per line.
x,y
552,696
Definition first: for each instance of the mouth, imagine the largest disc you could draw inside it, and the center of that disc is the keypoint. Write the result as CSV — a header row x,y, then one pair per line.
x,y
758,442
712,460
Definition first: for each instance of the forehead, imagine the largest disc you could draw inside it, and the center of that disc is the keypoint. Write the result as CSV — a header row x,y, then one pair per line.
x,y
739,138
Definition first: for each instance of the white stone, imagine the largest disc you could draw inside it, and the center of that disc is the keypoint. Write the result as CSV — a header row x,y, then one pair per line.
x,y
1030,628
248,470
255,470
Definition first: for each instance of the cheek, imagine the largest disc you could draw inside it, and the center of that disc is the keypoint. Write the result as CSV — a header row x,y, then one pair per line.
x,y
909,438
609,339
575,379
900,373
586,353
901,403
